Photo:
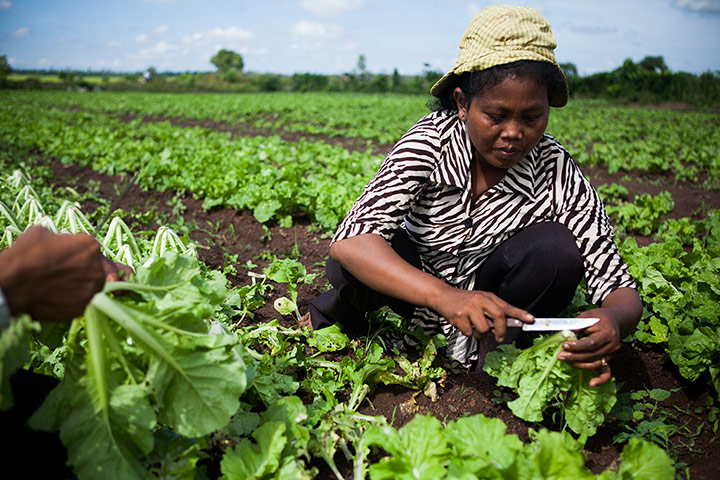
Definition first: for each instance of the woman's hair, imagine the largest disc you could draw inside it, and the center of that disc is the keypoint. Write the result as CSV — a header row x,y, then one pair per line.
x,y
473,83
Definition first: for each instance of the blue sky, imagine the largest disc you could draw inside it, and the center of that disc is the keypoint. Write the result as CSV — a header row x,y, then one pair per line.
x,y
327,36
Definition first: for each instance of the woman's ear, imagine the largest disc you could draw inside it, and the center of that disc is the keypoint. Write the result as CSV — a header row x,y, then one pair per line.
x,y
461,103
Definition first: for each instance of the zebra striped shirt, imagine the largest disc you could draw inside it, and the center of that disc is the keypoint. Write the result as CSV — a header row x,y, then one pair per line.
x,y
424,186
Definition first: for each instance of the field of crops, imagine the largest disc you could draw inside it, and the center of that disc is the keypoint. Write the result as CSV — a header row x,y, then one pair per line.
x,y
224,204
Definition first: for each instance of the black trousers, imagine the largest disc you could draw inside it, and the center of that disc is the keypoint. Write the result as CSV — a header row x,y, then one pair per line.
x,y
537,269
35,454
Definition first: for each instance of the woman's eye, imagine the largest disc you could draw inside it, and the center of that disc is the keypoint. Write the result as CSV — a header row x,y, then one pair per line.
x,y
533,118
494,118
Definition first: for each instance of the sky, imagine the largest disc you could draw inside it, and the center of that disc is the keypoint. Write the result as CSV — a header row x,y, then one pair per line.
x,y
328,36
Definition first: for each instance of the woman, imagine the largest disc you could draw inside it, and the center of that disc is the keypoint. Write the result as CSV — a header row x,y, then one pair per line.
x,y
477,215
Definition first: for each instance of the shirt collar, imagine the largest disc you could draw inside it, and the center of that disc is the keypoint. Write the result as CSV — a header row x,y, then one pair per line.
x,y
453,168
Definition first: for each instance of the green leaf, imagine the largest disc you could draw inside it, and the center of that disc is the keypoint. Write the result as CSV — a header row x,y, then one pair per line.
x,y
419,450
482,446
643,460
249,460
586,406
554,456
203,393
284,306
14,353
659,394
328,339
243,422
99,444
265,210
173,456
271,384
290,411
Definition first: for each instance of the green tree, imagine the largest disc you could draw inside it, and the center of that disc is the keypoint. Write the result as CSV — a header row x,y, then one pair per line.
x,y
396,81
362,68
654,64
226,60
5,68
569,69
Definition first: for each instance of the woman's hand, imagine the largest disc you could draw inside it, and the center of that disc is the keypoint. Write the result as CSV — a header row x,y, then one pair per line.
x,y
478,313
116,271
619,314
595,350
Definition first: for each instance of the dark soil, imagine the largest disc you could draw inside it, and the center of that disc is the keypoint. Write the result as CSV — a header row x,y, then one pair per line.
x,y
223,232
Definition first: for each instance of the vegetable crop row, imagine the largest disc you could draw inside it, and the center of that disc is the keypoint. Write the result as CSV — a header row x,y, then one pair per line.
x,y
273,178
596,133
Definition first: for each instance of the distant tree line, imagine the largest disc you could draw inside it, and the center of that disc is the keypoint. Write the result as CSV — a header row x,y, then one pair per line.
x,y
648,81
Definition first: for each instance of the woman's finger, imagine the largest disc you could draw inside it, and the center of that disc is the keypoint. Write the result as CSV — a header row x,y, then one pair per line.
x,y
604,376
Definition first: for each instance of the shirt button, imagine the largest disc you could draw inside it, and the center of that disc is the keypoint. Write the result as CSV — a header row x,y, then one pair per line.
x,y
467,222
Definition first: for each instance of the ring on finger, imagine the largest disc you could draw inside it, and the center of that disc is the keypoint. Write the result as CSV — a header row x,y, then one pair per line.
x,y
603,362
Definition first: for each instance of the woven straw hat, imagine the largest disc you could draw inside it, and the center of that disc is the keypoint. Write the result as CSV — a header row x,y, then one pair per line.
x,y
502,34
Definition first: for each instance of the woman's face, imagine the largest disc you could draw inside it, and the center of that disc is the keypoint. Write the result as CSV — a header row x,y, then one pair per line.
x,y
506,121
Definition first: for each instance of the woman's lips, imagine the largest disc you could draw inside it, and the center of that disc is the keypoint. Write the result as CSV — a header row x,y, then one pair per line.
x,y
508,153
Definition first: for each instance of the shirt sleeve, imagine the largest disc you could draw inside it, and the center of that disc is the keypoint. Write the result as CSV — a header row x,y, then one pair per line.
x,y
386,200
580,208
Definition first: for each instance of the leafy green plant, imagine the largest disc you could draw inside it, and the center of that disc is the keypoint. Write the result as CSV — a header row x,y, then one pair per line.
x,y
290,272
540,380
643,415
612,193
478,447
420,375
137,360
680,290
644,215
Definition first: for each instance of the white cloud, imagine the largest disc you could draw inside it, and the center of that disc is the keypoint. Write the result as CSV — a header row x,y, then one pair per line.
x,y
160,29
12,60
307,29
44,62
231,35
5,5
192,49
331,7
114,64
142,38
702,6
20,33
313,36
114,44
160,49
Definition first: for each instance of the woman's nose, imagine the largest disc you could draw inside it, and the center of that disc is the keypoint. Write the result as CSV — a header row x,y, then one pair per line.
x,y
512,130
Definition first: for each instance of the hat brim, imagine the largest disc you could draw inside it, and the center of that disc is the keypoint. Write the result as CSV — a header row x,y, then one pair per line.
x,y
557,98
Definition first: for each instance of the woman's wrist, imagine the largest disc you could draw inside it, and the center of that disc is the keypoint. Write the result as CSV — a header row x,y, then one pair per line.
x,y
625,309
438,294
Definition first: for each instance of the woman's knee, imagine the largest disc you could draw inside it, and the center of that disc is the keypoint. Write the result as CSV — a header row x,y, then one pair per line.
x,y
552,248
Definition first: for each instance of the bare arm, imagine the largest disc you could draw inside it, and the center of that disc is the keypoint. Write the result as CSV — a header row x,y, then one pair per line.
x,y
619,314
374,263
